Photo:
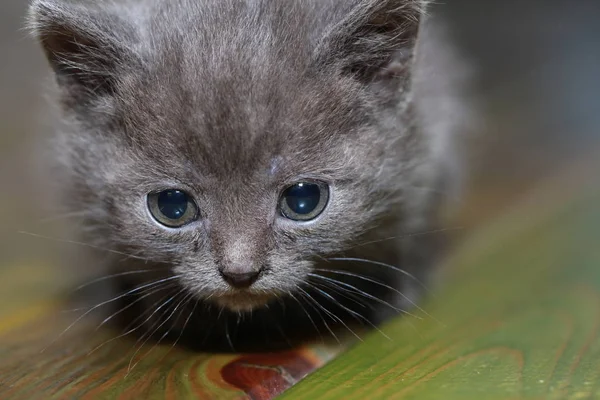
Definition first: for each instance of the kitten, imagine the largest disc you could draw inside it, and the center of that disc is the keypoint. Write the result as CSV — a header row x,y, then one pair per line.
x,y
266,160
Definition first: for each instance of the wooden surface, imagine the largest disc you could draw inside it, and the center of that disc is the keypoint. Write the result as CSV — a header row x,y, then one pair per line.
x,y
518,317
72,369
520,314
75,367
87,363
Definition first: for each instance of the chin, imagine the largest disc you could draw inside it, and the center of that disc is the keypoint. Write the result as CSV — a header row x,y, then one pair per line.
x,y
243,301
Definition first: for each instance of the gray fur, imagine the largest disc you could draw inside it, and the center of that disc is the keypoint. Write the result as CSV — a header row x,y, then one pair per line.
x,y
233,100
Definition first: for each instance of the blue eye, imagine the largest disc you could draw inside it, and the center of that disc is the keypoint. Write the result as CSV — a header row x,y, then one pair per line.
x,y
173,208
304,201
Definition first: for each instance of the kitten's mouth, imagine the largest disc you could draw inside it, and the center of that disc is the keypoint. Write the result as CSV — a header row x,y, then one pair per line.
x,y
240,301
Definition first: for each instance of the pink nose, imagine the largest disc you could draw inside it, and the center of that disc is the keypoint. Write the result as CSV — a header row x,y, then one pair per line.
x,y
240,280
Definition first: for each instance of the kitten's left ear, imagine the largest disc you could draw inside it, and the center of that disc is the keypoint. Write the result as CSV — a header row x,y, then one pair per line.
x,y
85,44
376,39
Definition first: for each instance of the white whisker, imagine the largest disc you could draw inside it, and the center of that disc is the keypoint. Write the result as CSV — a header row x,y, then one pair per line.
x,y
376,282
185,324
365,294
88,245
311,302
409,235
333,316
179,304
128,330
107,277
307,314
137,289
153,291
355,314
381,264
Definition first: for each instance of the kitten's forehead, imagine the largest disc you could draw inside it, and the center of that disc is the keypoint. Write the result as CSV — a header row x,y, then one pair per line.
x,y
230,104
224,125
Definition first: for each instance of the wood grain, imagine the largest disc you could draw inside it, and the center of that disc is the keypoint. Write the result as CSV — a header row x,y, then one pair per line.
x,y
520,313
518,317
31,366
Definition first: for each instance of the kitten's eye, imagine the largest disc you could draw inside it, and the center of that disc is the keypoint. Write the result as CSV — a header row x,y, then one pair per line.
x,y
173,208
304,201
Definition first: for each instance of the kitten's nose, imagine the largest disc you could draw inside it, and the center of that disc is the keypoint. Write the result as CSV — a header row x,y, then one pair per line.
x,y
240,280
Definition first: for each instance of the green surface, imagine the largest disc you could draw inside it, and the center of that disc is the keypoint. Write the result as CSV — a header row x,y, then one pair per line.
x,y
520,309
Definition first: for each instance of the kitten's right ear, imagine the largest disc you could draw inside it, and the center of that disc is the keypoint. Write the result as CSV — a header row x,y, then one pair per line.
x,y
84,45
375,39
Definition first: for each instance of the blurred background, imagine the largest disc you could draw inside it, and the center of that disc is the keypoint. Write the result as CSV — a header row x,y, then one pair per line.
x,y
537,83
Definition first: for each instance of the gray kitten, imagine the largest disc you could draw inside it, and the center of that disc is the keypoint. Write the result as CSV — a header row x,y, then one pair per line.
x,y
260,162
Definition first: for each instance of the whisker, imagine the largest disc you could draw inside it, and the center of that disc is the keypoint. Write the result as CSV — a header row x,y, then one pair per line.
x,y
281,303
185,324
181,302
311,302
365,294
77,214
409,235
89,245
153,291
307,314
367,279
207,334
356,315
345,293
381,264
229,341
151,331
129,330
143,291
108,302
332,315
285,337
107,277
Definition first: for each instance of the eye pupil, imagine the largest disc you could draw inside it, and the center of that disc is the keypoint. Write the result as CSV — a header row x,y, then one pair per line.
x,y
173,203
303,198
172,208
304,201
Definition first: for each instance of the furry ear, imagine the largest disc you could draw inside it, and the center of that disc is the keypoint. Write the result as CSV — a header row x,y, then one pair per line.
x,y
85,45
377,38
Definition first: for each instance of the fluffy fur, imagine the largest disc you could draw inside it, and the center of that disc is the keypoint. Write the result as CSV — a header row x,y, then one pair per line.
x,y
234,100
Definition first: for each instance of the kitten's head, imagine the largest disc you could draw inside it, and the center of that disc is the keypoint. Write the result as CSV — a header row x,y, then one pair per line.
x,y
234,141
